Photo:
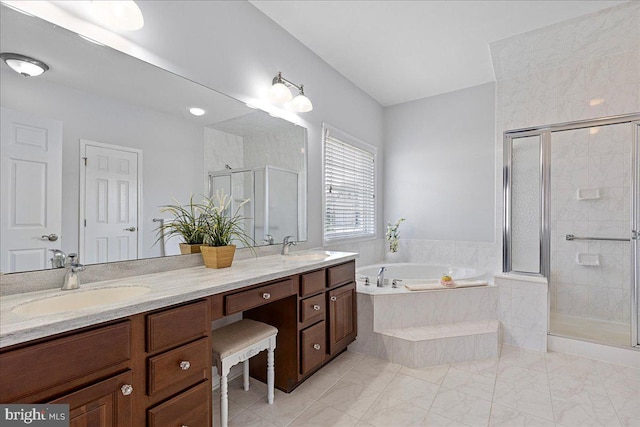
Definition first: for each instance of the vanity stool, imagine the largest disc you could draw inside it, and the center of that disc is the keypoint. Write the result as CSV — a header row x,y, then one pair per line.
x,y
236,343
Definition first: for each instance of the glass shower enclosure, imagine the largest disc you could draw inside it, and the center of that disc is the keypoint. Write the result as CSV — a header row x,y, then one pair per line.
x,y
572,213
272,209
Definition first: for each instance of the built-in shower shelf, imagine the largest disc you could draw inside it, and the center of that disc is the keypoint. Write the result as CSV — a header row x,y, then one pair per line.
x,y
588,193
588,260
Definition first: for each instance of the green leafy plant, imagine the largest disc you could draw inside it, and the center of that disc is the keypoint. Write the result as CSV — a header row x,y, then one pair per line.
x,y
220,228
393,235
188,221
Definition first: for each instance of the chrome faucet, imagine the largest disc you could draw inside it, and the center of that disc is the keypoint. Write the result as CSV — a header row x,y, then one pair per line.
x,y
380,280
286,244
71,280
268,239
58,259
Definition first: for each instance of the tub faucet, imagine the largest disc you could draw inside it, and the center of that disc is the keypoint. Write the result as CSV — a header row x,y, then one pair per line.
x,y
380,280
286,244
71,280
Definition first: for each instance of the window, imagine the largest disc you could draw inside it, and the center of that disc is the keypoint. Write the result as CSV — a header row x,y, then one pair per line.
x,y
349,186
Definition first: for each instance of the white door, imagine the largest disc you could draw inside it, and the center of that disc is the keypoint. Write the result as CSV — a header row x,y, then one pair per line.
x,y
110,231
31,190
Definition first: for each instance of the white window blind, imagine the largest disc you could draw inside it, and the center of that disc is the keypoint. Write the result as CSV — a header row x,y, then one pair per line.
x,y
349,193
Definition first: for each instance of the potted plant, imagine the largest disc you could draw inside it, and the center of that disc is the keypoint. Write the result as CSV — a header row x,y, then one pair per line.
x,y
187,222
220,228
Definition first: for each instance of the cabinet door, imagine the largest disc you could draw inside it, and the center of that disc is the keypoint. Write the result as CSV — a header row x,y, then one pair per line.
x,y
101,404
342,317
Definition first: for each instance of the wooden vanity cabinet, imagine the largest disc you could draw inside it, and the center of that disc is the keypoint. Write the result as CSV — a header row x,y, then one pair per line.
x,y
154,369
314,325
128,373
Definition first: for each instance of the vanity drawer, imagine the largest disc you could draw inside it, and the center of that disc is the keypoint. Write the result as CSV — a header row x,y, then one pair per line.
x,y
312,347
41,367
190,408
176,326
312,308
256,297
341,274
179,368
312,283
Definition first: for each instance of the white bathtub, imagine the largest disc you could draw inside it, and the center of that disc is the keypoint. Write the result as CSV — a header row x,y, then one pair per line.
x,y
412,273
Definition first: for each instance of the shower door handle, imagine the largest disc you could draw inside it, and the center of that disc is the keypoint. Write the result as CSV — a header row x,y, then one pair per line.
x,y
635,235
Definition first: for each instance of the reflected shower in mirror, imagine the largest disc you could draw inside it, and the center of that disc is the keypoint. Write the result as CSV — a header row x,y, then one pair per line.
x,y
95,146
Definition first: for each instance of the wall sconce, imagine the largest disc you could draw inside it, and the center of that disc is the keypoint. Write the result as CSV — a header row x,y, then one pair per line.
x,y
279,93
24,65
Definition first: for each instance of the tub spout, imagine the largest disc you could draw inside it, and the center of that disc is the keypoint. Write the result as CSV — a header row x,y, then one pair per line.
x,y
380,281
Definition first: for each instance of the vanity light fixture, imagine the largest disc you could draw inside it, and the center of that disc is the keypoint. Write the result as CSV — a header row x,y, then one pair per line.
x,y
279,93
196,111
24,65
119,15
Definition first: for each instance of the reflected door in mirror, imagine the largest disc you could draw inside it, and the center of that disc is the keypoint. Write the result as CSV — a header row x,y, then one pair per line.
x,y
111,203
31,217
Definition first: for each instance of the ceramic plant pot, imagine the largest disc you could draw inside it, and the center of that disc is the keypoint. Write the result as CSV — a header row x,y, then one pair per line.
x,y
218,256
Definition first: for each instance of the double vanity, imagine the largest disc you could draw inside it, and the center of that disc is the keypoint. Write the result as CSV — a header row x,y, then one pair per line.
x,y
137,351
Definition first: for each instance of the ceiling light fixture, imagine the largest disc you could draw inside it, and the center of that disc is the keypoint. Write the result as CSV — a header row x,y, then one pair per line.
x,y
120,15
24,65
279,93
196,111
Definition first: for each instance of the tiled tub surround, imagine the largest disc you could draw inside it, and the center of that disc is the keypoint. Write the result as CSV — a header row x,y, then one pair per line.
x,y
167,288
419,329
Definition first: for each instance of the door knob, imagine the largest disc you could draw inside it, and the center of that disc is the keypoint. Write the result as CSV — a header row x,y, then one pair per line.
x,y
316,307
316,346
185,365
126,389
333,299
51,237
132,229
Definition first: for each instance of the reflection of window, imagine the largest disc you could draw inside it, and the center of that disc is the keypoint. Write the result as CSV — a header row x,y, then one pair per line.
x,y
349,186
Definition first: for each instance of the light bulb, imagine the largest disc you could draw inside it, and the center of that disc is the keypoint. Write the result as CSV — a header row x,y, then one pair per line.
x,y
279,93
196,111
121,15
301,104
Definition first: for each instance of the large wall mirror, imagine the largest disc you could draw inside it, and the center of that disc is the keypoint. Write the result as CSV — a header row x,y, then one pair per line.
x,y
92,149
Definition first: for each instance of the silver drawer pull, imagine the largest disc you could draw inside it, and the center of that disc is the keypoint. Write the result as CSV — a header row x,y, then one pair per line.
x,y
334,299
266,295
316,346
185,365
126,389
316,307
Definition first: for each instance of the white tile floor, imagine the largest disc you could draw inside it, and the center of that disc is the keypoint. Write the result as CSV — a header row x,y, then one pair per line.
x,y
521,388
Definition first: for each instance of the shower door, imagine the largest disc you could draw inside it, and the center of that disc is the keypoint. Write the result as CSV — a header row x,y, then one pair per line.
x,y
593,210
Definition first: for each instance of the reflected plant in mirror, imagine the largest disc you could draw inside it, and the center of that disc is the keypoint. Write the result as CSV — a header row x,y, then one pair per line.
x,y
87,145
186,223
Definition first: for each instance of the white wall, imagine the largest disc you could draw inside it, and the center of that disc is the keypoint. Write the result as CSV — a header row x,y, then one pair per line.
x,y
164,140
439,165
233,47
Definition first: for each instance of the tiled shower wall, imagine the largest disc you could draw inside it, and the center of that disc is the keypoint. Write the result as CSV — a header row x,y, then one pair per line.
x,y
584,68
590,197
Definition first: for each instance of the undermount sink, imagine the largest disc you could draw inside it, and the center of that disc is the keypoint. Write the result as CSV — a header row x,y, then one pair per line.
x,y
315,256
80,299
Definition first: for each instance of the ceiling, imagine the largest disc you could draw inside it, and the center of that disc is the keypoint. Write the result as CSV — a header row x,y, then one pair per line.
x,y
399,51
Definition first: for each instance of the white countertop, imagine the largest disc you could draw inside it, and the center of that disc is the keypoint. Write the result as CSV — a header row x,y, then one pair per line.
x,y
167,288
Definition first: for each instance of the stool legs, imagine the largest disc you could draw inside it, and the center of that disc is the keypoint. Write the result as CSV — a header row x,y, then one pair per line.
x,y
224,397
270,375
245,375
